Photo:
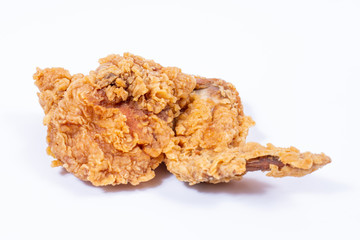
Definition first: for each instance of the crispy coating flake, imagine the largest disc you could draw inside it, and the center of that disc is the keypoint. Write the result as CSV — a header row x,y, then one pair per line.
x,y
210,146
117,124
112,126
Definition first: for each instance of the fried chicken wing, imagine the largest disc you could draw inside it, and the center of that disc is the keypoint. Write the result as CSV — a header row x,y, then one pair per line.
x,y
209,143
117,124
111,126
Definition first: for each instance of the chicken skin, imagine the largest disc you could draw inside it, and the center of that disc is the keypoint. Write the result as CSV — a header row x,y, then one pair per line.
x,y
117,124
112,126
209,143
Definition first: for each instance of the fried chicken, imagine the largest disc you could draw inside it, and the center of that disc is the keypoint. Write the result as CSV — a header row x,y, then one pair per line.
x,y
209,143
111,126
117,124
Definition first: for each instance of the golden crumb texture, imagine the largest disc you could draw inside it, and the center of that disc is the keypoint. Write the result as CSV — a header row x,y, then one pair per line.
x,y
119,122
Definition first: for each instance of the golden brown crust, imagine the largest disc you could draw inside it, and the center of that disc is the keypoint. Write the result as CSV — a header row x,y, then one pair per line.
x,y
210,146
117,124
112,126
208,132
293,162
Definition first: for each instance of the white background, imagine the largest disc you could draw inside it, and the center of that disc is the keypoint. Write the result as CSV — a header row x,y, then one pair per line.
x,y
296,65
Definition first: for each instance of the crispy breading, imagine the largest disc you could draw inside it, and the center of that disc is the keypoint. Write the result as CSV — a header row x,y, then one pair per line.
x,y
117,124
111,126
209,143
